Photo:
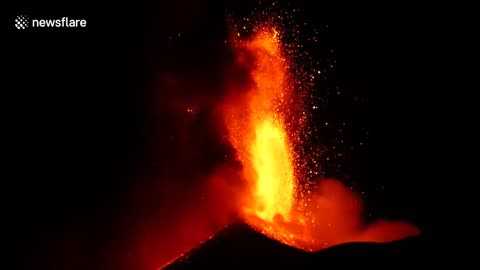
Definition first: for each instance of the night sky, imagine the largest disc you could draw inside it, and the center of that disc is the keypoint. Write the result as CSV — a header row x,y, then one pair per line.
x,y
98,123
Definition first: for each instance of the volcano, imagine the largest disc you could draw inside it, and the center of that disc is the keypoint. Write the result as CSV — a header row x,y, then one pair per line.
x,y
291,215
240,246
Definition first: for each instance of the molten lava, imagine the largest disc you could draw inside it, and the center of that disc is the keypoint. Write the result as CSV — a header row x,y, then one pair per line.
x,y
259,133
274,186
257,122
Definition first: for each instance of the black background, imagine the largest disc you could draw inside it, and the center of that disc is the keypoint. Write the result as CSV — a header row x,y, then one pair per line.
x,y
83,137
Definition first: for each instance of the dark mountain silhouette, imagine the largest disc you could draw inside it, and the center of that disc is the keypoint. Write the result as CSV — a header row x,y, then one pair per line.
x,y
239,246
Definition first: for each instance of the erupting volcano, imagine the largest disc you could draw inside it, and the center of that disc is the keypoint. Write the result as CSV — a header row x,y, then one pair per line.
x,y
267,124
264,126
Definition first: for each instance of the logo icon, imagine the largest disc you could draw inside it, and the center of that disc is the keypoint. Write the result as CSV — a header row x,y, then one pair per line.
x,y
21,22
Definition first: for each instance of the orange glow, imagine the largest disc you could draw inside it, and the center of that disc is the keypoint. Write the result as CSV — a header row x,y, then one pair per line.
x,y
263,136
274,203
274,186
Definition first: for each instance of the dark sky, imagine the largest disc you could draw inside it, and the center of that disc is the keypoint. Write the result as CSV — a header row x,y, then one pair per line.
x,y
92,125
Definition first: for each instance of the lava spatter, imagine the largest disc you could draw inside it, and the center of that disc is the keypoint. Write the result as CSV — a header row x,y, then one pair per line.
x,y
267,126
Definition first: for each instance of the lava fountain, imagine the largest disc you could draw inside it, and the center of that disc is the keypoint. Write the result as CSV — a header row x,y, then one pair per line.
x,y
263,124
262,141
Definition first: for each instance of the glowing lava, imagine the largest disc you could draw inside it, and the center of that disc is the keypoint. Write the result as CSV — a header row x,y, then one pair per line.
x,y
263,134
274,186
260,131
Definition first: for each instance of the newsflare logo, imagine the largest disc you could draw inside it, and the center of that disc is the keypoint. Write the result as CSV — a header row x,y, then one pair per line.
x,y
23,22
